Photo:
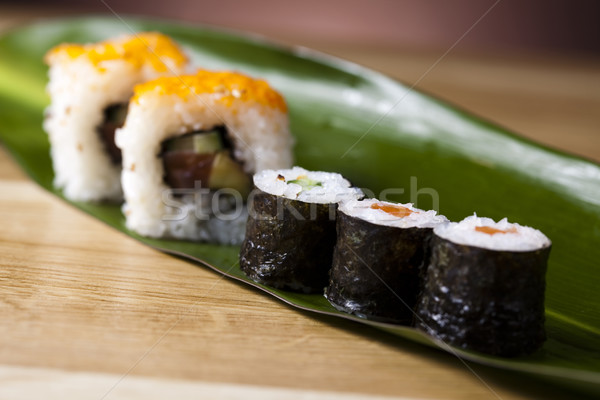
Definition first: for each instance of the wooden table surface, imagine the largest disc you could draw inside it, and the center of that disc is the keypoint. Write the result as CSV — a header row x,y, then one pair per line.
x,y
87,312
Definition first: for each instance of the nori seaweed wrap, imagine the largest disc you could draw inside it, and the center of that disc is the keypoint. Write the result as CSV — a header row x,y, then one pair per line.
x,y
378,259
290,232
487,297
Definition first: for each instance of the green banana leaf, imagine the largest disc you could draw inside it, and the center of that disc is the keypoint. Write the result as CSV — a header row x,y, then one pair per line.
x,y
424,150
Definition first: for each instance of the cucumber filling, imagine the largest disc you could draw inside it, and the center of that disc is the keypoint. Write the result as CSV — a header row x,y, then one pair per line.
x,y
305,182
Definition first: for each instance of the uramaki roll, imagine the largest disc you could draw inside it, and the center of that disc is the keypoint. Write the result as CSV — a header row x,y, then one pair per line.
x,y
90,86
291,228
190,145
379,257
484,287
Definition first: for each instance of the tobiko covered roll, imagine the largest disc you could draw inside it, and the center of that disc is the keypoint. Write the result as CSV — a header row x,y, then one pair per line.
x,y
379,256
190,145
484,287
291,228
90,86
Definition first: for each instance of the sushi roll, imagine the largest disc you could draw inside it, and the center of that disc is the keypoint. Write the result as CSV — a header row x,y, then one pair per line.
x,y
291,228
90,86
379,256
190,145
484,287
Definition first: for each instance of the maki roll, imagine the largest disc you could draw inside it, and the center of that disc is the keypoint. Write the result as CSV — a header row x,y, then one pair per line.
x,y
90,86
291,228
380,253
484,287
190,145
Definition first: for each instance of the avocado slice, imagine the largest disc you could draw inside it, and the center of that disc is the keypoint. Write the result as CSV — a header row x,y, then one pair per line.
x,y
226,173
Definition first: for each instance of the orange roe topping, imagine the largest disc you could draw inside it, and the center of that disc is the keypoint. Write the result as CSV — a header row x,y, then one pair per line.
x,y
229,86
492,231
148,48
395,210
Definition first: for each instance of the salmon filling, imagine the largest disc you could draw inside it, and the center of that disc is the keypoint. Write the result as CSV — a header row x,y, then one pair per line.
x,y
493,231
395,210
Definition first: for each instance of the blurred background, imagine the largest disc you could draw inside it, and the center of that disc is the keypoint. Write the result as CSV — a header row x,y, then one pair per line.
x,y
571,26
530,65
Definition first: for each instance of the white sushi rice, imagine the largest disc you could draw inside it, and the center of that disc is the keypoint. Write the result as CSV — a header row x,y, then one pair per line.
x,y
523,238
333,187
418,218
79,93
261,139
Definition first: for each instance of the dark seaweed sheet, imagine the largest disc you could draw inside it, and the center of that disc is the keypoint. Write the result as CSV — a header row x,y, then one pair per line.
x,y
289,243
485,300
376,269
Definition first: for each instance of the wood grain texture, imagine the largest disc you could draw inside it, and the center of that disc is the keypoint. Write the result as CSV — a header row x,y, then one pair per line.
x,y
79,297
24,383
